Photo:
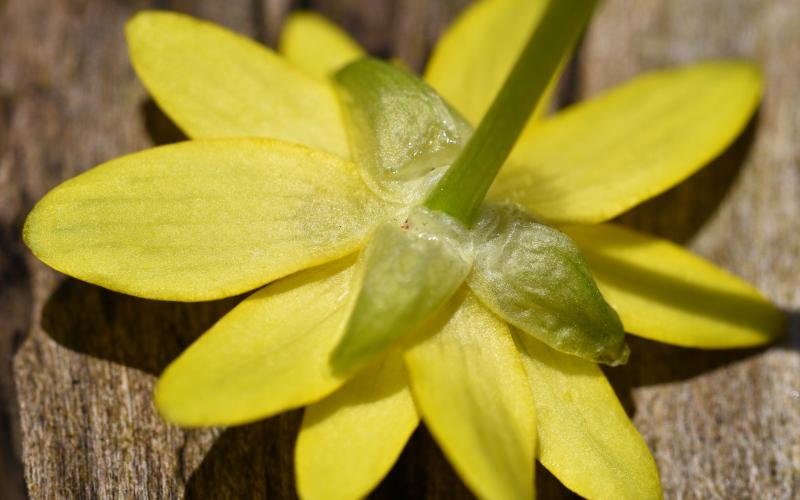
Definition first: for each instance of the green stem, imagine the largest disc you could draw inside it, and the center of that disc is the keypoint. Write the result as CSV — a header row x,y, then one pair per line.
x,y
462,189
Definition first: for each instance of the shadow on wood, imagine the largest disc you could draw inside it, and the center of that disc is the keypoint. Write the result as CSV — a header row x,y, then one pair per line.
x,y
250,461
653,363
422,471
159,127
139,333
256,461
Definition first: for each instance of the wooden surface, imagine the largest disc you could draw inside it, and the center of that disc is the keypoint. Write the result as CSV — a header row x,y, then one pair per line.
x,y
78,417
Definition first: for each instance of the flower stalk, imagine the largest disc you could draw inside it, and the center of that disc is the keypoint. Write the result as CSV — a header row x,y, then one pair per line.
x,y
462,189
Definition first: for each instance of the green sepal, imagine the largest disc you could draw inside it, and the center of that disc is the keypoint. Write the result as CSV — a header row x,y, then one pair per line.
x,y
407,271
402,134
536,278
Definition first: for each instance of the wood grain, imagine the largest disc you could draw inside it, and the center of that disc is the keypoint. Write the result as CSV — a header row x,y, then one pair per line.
x,y
78,418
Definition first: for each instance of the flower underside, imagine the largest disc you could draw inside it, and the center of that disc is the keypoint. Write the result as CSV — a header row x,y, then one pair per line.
x,y
320,172
404,137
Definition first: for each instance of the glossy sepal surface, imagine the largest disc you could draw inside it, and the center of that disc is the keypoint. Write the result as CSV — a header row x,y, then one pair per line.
x,y
401,132
536,279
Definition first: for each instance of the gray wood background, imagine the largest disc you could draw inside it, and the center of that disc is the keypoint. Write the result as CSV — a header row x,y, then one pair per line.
x,y
78,363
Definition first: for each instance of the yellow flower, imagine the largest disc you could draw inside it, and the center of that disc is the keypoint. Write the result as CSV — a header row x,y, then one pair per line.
x,y
265,193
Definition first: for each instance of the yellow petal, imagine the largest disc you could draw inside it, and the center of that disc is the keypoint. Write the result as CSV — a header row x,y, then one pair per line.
x,y
665,293
471,390
269,354
317,45
597,159
351,439
585,438
476,53
203,219
215,83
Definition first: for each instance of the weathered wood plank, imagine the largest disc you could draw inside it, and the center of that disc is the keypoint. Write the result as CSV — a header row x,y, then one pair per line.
x,y
720,424
72,100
